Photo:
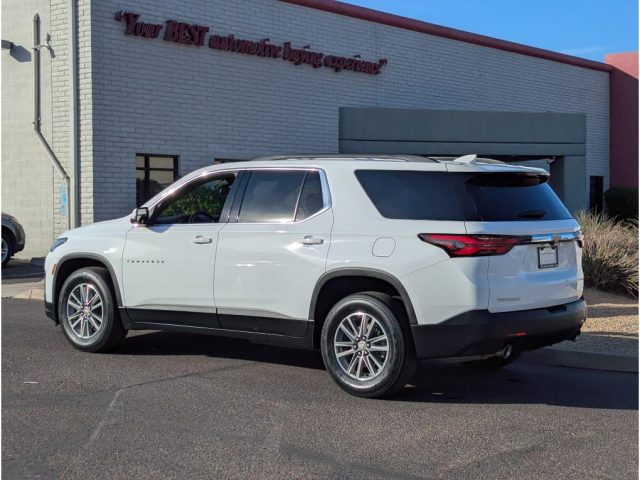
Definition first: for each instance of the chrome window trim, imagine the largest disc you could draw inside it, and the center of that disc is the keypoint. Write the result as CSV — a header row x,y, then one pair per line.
x,y
326,192
204,175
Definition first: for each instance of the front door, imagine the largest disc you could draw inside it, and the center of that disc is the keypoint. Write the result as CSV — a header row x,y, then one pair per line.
x,y
273,250
169,264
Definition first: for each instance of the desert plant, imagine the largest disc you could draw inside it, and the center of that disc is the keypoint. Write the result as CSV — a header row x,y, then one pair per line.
x,y
610,253
622,203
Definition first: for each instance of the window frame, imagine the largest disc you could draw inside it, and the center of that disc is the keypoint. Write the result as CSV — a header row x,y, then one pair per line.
x,y
205,178
147,169
242,188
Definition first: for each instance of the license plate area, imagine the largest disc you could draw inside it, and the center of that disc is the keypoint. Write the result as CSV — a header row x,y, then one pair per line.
x,y
547,257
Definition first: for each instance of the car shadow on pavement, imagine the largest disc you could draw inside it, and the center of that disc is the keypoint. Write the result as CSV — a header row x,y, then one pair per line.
x,y
171,343
434,381
523,383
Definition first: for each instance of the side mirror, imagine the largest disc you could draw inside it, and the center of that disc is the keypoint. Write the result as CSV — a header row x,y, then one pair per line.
x,y
140,216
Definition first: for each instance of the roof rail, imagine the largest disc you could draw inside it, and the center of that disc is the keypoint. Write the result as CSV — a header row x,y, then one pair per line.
x,y
468,160
347,156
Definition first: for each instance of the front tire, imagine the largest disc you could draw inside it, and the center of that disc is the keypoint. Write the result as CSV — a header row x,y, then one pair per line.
x,y
88,312
366,347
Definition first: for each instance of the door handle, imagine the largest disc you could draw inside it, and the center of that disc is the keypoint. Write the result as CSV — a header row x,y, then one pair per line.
x,y
200,239
311,240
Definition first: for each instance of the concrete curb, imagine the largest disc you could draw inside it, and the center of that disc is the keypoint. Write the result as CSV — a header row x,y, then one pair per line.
x,y
27,291
33,294
584,360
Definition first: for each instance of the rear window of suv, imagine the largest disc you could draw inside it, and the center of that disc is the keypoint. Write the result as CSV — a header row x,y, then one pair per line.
x,y
507,197
419,195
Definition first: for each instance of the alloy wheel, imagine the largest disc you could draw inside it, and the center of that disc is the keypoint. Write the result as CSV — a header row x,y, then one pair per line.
x,y
85,311
361,346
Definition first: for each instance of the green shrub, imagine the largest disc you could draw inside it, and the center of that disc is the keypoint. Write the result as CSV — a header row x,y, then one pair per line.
x,y
622,203
610,253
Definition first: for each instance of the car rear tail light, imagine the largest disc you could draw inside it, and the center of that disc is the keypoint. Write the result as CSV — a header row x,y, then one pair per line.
x,y
473,245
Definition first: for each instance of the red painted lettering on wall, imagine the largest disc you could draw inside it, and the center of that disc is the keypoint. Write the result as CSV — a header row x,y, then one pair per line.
x,y
189,34
193,34
139,29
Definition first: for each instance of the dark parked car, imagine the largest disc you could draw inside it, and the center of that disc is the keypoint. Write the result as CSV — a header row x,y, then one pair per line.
x,y
12,238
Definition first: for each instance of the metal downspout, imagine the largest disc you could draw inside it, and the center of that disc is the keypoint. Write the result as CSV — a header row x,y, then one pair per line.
x,y
74,197
36,113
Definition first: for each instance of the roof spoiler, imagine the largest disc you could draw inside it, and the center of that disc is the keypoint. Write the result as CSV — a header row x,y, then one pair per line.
x,y
467,159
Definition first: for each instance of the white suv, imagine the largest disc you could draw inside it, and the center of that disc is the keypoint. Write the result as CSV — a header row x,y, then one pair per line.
x,y
375,260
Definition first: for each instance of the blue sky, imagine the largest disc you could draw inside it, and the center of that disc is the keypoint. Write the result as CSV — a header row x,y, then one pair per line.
x,y
584,28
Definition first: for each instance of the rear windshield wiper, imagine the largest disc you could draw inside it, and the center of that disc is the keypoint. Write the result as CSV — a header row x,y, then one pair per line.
x,y
538,213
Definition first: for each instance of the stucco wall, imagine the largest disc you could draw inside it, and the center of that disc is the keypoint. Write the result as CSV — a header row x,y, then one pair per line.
x,y
624,119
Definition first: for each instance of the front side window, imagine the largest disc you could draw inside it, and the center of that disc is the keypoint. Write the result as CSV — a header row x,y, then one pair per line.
x,y
278,196
154,173
199,202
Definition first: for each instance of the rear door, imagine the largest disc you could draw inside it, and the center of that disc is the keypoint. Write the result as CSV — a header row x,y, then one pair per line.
x,y
273,250
545,269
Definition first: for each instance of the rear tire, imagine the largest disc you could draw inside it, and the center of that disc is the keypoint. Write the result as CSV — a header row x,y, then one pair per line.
x,y
383,359
88,311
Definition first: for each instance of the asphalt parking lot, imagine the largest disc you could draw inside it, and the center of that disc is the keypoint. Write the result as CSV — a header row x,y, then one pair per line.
x,y
187,406
20,271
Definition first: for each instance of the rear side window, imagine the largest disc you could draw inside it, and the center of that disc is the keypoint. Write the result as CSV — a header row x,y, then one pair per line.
x,y
271,196
509,197
310,201
416,195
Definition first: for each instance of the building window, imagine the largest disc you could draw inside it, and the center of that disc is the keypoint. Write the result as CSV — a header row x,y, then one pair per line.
x,y
154,173
596,198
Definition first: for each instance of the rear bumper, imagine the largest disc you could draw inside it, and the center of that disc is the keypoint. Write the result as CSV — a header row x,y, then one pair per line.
x,y
479,332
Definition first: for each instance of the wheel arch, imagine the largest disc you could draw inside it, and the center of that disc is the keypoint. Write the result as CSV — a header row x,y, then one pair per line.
x,y
10,233
10,228
360,280
74,261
